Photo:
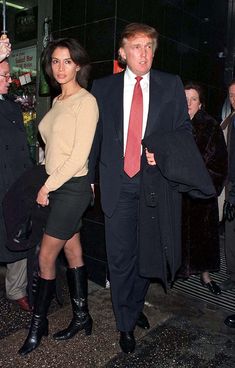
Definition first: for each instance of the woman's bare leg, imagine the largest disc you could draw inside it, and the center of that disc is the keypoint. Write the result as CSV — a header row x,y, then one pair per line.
x,y
73,251
49,251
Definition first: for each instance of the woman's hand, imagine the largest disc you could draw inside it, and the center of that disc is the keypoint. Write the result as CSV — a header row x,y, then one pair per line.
x,y
150,157
5,47
43,196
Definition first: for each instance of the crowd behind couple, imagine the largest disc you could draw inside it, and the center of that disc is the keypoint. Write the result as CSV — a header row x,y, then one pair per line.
x,y
162,159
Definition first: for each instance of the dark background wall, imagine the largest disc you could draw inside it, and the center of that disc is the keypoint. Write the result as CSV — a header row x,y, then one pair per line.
x,y
193,36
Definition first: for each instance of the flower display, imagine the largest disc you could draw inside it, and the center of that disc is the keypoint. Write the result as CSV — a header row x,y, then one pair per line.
x,y
28,103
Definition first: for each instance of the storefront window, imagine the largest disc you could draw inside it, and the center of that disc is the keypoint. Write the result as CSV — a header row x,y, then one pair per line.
x,y
21,20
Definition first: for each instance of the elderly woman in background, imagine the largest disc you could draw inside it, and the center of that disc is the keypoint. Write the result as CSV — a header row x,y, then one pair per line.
x,y
200,218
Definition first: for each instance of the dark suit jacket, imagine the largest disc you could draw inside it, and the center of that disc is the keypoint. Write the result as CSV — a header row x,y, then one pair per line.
x,y
14,160
167,112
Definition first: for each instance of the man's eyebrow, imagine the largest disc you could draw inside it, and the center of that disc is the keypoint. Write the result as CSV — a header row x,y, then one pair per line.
x,y
145,44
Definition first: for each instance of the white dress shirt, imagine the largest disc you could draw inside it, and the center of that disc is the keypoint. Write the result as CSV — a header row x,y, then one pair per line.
x,y
129,83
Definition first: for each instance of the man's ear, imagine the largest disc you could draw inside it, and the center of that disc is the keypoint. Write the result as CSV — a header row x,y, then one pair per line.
x,y
122,53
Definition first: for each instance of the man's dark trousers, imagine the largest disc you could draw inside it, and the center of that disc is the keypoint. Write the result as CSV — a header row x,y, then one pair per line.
x,y
127,287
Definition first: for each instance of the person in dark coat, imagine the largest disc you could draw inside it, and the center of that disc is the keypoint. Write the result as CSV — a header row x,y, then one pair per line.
x,y
14,160
200,218
229,206
228,126
161,109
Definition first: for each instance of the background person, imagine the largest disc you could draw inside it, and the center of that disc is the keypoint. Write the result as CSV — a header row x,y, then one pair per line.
x,y
200,218
68,130
228,125
14,160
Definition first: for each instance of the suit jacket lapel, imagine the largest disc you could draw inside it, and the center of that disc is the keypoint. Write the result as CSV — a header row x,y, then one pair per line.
x,y
117,106
155,102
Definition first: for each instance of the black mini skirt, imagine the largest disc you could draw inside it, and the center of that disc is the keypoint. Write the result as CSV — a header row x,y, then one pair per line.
x,y
67,205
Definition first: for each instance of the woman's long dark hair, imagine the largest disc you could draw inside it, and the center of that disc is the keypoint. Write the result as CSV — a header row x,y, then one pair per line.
x,y
77,53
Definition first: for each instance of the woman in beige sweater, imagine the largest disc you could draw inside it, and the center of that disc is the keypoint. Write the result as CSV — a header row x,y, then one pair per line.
x,y
68,130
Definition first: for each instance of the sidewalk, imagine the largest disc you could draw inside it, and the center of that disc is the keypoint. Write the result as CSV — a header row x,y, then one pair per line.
x,y
185,333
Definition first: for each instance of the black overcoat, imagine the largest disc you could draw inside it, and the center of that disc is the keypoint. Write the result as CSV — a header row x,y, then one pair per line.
x,y
14,160
180,169
200,218
19,205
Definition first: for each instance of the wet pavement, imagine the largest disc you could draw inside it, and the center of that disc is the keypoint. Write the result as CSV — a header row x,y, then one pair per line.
x,y
185,333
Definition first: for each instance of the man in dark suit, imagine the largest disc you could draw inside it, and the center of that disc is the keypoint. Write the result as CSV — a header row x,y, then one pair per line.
x,y
14,159
156,99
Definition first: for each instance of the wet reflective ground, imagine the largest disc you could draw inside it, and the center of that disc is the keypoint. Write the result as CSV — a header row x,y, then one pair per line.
x,y
185,333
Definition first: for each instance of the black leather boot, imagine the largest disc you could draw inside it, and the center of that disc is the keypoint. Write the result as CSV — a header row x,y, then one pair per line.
x,y
39,322
77,282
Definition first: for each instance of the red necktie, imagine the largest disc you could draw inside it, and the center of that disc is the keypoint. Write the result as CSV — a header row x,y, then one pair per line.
x,y
134,136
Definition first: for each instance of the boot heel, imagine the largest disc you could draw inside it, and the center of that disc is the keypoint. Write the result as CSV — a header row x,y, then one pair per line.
x,y
88,327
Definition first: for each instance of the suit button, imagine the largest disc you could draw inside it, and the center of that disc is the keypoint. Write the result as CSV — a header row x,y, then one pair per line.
x,y
13,121
6,147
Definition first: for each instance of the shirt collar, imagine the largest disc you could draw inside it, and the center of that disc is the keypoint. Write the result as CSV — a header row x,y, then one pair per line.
x,y
131,76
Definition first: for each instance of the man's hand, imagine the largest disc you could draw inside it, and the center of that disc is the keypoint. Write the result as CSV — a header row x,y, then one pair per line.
x,y
150,157
5,47
229,211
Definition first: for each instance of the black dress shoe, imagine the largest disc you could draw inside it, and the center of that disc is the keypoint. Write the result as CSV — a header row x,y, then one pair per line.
x,y
230,321
142,321
127,341
212,286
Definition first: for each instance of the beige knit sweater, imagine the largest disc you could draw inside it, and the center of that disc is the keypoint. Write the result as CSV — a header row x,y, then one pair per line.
x,y
68,130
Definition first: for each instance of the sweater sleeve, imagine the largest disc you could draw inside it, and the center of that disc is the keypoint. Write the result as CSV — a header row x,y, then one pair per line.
x,y
86,121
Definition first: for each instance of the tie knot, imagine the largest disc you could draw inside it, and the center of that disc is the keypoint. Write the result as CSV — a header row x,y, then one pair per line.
x,y
138,79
